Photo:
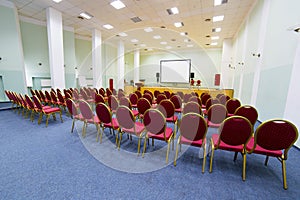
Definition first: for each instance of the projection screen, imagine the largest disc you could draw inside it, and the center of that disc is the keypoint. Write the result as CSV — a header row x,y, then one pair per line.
x,y
175,71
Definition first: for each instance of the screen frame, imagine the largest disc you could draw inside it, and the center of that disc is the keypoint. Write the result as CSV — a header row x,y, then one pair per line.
x,y
174,60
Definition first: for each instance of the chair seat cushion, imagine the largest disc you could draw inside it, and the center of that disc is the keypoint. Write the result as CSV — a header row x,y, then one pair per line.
x,y
160,136
229,114
51,110
135,112
211,124
172,119
259,150
113,124
139,128
197,143
223,145
79,117
95,119
179,110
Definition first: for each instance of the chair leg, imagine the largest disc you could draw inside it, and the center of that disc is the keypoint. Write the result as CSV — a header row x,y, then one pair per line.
x,y
211,157
47,119
40,118
54,117
235,156
204,158
284,175
145,141
73,123
168,150
244,166
139,145
31,116
176,152
266,161
121,134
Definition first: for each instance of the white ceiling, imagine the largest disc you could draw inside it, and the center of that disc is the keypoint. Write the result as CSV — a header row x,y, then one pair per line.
x,y
152,13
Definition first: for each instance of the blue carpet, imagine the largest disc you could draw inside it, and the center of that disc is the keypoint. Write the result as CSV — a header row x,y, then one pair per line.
x,y
51,163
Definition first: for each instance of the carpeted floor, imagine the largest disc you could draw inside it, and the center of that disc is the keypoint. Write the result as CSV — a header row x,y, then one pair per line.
x,y
51,163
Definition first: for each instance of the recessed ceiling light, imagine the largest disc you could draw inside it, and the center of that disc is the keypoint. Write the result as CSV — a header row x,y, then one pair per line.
x,y
186,40
134,40
117,4
108,26
148,29
218,18
86,15
122,34
57,1
220,2
189,45
216,30
183,33
150,49
178,24
142,45
163,43
173,11
207,20
157,37
214,44
214,37
168,47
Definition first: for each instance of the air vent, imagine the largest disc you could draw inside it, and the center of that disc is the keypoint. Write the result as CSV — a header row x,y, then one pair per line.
x,y
136,19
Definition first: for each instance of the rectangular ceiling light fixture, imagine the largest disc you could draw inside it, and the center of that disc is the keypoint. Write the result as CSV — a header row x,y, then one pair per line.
x,y
173,11
216,30
148,29
214,44
57,1
136,19
117,4
220,2
218,18
108,26
214,37
178,24
86,15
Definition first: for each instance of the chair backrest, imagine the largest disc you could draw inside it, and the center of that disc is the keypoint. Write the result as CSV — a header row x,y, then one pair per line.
x,y
143,105
48,96
235,130
195,99
99,99
276,134
202,94
138,93
232,105
193,127
102,91
37,103
124,101
219,95
84,94
167,93
217,113
125,117
120,95
160,97
192,107
60,98
148,97
104,113
86,110
68,95
32,92
108,92
156,93
114,91
176,100
29,101
154,121
53,96
210,102
167,108
186,97
204,98
113,102
133,98
180,93
71,107
149,92
222,99
248,112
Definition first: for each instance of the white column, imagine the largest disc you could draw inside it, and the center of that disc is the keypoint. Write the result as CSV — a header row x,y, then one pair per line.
x,y
121,66
292,102
136,75
97,58
56,49
226,64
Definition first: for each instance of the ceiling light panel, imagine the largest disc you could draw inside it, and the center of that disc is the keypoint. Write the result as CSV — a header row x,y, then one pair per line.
x,y
214,37
220,2
148,29
86,15
214,44
57,1
122,34
134,40
218,18
117,4
183,33
108,26
178,24
216,30
157,37
173,11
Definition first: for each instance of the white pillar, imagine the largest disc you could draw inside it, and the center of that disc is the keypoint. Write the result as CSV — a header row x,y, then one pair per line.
x,y
227,65
97,58
121,65
56,50
136,75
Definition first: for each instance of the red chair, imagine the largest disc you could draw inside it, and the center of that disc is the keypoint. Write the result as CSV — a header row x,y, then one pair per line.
x,y
167,93
148,97
124,101
209,103
192,107
248,112
195,99
47,112
223,99
168,109
156,93
88,117
216,114
193,129
133,99
232,105
160,97
120,95
177,101
106,120
186,98
54,101
233,135
48,98
274,138
204,99
113,103
138,93
156,127
128,125
179,93
143,105
73,111
61,101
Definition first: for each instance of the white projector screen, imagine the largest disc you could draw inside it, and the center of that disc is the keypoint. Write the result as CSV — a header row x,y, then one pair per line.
x,y
175,71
